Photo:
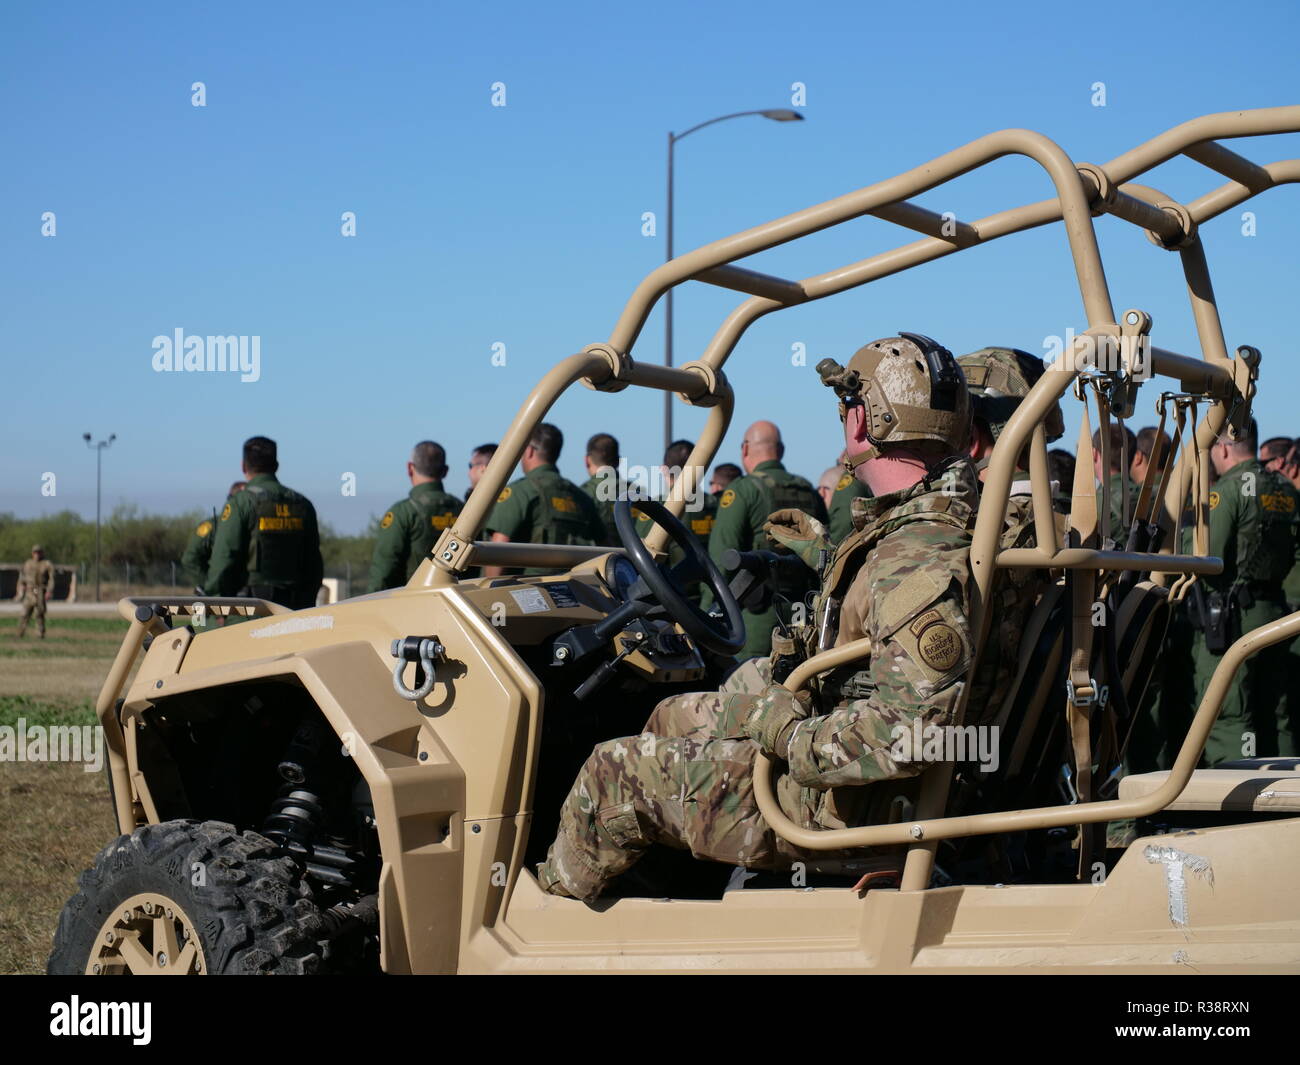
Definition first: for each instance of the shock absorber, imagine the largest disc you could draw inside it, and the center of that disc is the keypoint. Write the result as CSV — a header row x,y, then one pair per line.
x,y
296,814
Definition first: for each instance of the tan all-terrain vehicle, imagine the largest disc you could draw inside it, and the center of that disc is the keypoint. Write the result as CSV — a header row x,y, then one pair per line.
x,y
370,784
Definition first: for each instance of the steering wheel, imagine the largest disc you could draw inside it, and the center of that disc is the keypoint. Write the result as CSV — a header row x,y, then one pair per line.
x,y
725,635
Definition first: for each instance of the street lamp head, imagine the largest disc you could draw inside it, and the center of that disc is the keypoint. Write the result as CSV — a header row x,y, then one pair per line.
x,y
85,437
782,115
112,437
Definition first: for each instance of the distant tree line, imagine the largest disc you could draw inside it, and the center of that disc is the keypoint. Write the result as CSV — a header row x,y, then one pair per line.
x,y
149,540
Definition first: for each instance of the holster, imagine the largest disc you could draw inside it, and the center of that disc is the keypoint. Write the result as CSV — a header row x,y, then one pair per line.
x,y
1217,615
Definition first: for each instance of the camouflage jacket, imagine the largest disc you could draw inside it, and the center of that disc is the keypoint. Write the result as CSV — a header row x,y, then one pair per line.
x,y
906,567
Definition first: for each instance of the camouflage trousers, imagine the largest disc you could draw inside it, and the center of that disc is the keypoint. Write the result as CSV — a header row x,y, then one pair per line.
x,y
33,604
686,782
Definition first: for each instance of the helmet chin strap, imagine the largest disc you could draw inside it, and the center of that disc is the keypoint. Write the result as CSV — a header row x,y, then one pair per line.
x,y
852,462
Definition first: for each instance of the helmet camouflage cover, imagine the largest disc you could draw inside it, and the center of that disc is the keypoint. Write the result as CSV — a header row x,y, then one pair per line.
x,y
999,378
911,388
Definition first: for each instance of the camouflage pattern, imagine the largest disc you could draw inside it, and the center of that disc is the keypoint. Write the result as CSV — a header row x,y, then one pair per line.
x,y
998,379
687,781
36,584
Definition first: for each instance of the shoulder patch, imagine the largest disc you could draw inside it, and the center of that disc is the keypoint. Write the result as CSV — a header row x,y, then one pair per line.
x,y
1214,500
939,646
386,521
442,521
203,529
845,481
505,494
728,497
225,512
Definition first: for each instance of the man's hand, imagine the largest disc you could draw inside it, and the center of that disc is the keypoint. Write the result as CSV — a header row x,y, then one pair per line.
x,y
774,715
800,533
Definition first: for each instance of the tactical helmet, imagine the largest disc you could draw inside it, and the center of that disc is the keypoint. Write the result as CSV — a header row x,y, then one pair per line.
x,y
999,378
911,388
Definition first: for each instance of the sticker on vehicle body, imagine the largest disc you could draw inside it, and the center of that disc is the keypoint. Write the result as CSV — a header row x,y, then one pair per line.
x,y
530,600
289,626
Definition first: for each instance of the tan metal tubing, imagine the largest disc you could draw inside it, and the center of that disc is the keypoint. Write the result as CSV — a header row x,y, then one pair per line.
x,y
1231,165
1085,558
936,829
557,556
1073,209
1226,197
737,278
1222,126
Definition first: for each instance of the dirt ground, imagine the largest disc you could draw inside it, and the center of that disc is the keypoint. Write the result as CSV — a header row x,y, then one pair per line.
x,y
56,816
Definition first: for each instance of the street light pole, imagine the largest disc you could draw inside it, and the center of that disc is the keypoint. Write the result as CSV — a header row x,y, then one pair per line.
x,y
99,449
777,115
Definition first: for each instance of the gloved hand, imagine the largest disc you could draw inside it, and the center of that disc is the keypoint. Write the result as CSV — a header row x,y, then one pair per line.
x,y
800,533
774,716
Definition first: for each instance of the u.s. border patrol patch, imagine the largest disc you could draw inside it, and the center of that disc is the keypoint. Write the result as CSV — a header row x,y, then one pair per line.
x,y
939,646
845,481
728,497
386,521
505,494
203,529
225,512
1214,500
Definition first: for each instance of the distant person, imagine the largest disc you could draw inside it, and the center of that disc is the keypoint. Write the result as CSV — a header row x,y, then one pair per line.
x,y
826,483
198,551
723,474
542,507
1151,448
35,586
1122,441
603,483
267,544
412,525
845,490
478,462
698,515
742,510
1060,467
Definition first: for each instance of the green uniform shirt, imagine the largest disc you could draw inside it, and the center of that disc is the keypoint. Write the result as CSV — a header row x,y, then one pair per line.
x,y
198,552
267,541
1254,520
544,508
1117,530
699,522
742,510
408,532
847,490
605,489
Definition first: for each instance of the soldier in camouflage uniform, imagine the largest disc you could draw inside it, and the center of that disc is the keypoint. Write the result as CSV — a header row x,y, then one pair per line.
x,y
35,586
408,531
267,543
742,510
542,507
698,515
603,484
900,579
198,550
1254,516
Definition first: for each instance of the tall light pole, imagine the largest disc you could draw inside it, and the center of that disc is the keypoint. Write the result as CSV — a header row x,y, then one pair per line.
x,y
98,449
777,115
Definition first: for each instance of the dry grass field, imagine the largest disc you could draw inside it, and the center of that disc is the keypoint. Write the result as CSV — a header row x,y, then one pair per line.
x,y
54,816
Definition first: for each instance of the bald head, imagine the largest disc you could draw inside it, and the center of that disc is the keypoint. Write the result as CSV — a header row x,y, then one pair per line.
x,y
762,443
826,486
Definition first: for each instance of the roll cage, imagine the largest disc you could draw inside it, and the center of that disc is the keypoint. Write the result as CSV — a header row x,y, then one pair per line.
x,y
1083,191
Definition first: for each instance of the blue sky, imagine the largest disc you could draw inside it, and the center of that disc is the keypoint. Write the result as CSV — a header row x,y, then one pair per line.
x,y
521,225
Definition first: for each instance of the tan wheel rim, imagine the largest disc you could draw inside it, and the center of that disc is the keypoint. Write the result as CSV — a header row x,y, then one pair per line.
x,y
147,935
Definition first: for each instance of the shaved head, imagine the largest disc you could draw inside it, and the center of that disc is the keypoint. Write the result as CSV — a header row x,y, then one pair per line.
x,y
762,443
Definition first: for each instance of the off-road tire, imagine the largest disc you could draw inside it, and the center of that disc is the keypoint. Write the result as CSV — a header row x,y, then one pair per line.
x,y
249,910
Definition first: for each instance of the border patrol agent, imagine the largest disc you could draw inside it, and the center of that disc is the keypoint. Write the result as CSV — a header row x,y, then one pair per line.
x,y
267,543
1254,523
687,781
742,510
840,507
542,507
198,550
698,521
603,484
410,528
